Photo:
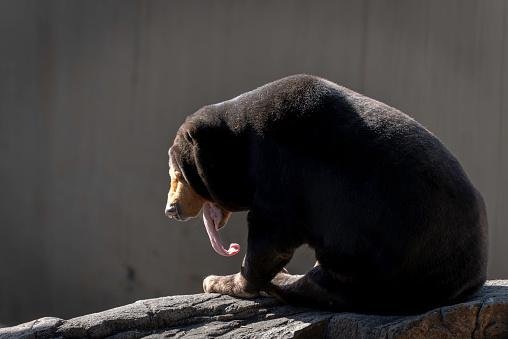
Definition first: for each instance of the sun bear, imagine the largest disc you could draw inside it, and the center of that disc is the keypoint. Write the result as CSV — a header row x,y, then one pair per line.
x,y
395,223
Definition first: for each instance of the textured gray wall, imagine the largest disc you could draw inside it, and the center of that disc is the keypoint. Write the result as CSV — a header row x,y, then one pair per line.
x,y
92,93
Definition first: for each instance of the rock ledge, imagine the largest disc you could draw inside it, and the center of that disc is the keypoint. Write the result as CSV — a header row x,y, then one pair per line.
x,y
212,315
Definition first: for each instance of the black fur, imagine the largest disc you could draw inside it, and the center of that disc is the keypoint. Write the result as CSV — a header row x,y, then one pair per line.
x,y
394,221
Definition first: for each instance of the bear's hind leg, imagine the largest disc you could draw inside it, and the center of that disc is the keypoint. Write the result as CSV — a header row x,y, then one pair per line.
x,y
285,278
309,290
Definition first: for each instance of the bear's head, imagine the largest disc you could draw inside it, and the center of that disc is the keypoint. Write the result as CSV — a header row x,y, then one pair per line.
x,y
188,193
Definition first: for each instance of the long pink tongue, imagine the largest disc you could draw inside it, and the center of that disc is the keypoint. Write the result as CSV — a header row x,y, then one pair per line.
x,y
212,216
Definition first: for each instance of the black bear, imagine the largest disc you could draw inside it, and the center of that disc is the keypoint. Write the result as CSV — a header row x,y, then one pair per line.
x,y
394,221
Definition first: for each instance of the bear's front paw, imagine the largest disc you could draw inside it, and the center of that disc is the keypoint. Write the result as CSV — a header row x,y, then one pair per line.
x,y
234,285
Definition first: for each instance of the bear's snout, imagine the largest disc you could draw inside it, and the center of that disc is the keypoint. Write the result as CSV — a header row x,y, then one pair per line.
x,y
171,211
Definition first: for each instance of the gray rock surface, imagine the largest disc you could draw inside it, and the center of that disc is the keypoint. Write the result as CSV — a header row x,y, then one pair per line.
x,y
211,315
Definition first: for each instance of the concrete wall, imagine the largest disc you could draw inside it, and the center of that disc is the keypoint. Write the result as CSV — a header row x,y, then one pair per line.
x,y
92,93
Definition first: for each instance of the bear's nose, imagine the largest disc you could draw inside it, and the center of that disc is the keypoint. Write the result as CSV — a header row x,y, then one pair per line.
x,y
171,211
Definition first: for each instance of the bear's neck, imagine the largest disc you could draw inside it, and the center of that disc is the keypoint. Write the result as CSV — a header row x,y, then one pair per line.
x,y
221,163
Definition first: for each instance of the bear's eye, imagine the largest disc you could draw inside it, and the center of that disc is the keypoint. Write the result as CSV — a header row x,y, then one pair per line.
x,y
178,175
